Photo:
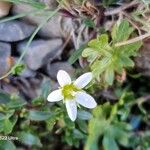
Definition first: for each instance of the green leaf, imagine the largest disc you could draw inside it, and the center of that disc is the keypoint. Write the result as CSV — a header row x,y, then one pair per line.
x,y
4,98
131,49
92,140
100,66
89,23
94,43
109,143
29,139
82,125
2,116
103,39
109,75
38,101
18,69
78,134
84,115
121,31
91,54
7,145
6,115
127,62
39,115
9,124
16,103
77,53
96,129
46,86
7,128
120,131
109,2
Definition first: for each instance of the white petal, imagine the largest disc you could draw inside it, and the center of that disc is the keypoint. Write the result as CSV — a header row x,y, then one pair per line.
x,y
71,109
63,78
83,80
85,100
55,96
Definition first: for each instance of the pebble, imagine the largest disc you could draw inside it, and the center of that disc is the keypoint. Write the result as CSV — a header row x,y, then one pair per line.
x,y
4,8
13,31
5,52
40,52
57,26
53,69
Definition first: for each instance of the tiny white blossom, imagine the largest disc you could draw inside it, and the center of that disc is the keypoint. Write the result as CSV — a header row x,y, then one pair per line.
x,y
72,94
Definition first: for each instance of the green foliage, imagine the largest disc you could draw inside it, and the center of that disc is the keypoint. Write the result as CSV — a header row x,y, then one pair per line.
x,y
13,109
18,69
39,115
7,145
109,2
8,106
42,125
29,139
141,141
109,124
73,135
89,23
84,115
74,57
105,58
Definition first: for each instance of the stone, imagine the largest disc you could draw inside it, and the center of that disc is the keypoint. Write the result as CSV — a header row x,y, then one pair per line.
x,y
53,68
4,8
142,62
9,88
57,26
13,31
40,52
5,52
28,73
24,8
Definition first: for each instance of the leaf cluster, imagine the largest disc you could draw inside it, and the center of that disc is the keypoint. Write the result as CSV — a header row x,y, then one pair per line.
x,y
105,58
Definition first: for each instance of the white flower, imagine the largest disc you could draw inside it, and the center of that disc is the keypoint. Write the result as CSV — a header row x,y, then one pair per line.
x,y
72,93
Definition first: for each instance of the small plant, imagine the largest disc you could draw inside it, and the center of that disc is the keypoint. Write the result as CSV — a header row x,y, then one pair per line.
x,y
105,58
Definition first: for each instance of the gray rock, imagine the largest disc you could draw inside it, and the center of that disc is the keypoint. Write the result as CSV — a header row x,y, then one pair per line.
x,y
57,26
28,73
4,8
22,7
5,51
40,52
55,67
13,31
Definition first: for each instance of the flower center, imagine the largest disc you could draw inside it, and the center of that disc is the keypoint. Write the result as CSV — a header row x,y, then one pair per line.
x,y
68,91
